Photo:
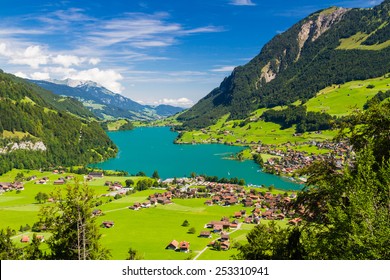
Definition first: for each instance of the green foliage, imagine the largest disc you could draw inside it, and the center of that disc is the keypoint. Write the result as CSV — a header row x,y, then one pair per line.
x,y
144,184
192,230
346,212
129,183
41,197
378,98
75,234
185,223
134,255
155,175
265,242
68,140
8,249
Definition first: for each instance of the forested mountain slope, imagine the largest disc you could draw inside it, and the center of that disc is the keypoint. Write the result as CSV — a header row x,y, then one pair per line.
x,y
332,46
37,131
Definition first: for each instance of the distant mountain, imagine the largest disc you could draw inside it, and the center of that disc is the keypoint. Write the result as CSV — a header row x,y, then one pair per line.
x,y
40,129
104,103
331,46
167,110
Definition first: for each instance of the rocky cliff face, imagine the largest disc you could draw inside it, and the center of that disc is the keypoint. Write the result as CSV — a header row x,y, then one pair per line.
x,y
310,30
297,63
25,145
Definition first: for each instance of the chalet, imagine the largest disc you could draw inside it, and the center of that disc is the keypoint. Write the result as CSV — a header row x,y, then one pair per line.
x,y
97,212
69,177
208,203
184,246
96,174
153,201
217,228
233,225
146,204
237,215
59,182
205,234
108,224
174,245
136,206
25,239
225,246
231,201
224,237
248,220
5,186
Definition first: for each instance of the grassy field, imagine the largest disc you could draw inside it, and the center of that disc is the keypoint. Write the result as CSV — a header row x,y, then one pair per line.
x,y
355,42
148,231
343,99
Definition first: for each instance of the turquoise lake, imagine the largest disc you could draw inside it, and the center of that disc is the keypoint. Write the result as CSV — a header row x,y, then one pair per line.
x,y
151,148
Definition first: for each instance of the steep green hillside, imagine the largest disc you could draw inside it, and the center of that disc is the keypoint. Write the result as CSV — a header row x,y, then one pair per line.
x,y
337,101
295,65
37,131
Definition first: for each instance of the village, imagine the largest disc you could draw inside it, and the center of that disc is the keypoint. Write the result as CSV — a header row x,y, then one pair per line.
x,y
287,161
242,205
257,205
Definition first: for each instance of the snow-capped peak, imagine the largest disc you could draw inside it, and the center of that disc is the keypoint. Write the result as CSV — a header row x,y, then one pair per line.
x,y
76,83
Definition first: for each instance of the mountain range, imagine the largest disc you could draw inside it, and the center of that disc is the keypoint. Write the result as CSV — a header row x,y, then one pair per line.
x,y
104,103
39,129
331,46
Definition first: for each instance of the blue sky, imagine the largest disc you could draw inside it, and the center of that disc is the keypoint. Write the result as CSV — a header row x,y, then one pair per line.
x,y
153,51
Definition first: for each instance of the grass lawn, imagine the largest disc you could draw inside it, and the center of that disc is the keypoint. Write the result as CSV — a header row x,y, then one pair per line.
x,y
148,231
342,100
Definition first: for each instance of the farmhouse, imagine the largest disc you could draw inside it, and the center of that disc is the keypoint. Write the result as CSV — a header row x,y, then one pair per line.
x,y
97,212
59,182
225,245
25,239
96,175
11,186
205,234
174,245
184,246
108,224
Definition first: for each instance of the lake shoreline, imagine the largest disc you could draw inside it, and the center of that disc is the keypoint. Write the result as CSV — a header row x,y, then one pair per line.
x,y
153,148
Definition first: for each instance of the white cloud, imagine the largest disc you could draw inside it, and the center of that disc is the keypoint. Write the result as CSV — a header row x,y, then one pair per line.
x,y
224,69
94,61
68,60
40,76
107,78
242,3
180,102
32,56
21,75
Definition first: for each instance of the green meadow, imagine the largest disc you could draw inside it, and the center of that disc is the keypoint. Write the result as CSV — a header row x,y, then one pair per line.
x,y
148,230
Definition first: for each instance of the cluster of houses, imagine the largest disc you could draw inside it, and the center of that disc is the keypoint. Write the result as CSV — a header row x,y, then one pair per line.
x,y
154,199
7,186
289,160
182,246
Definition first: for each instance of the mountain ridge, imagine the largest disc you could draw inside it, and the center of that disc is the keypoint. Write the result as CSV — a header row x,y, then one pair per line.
x,y
296,64
104,103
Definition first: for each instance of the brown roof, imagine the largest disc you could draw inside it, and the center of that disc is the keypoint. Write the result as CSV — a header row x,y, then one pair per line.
x,y
25,239
184,245
174,243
